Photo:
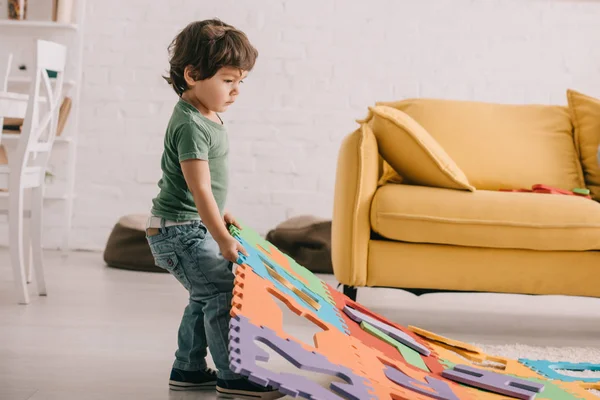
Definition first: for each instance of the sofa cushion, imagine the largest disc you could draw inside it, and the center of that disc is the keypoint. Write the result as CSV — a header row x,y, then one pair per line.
x,y
502,146
486,218
413,152
585,112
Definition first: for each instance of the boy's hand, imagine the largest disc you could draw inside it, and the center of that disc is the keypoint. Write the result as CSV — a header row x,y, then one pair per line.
x,y
229,220
230,248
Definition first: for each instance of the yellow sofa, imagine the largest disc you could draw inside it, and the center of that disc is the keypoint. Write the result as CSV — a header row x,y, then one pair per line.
x,y
442,219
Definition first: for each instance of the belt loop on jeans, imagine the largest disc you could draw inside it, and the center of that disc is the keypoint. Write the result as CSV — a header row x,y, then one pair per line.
x,y
162,225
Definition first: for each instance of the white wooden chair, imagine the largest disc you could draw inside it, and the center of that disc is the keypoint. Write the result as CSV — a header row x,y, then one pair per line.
x,y
27,165
5,65
13,105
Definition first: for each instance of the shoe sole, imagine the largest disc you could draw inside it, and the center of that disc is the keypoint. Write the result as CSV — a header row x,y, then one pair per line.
x,y
182,386
227,393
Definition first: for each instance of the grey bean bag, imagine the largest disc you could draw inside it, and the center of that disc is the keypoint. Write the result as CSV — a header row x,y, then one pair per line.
x,y
127,247
306,239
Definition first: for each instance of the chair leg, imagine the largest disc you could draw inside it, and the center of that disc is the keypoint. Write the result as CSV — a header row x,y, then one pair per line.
x,y
27,249
351,292
37,209
15,233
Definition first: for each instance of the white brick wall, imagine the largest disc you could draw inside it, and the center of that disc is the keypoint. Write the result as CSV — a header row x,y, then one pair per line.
x,y
321,64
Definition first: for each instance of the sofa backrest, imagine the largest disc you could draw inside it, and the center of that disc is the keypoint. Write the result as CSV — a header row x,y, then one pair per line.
x,y
501,146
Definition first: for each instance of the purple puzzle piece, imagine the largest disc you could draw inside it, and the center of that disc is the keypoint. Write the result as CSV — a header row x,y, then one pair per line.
x,y
244,352
494,382
442,390
393,332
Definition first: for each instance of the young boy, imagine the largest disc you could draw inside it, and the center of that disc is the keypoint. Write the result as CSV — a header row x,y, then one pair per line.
x,y
188,232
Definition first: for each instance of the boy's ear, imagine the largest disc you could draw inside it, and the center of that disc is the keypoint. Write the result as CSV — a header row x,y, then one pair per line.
x,y
188,73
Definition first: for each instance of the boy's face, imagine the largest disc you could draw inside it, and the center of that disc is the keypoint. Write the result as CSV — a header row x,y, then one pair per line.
x,y
220,91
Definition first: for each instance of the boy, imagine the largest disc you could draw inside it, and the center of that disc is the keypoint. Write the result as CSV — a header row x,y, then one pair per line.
x,y
188,232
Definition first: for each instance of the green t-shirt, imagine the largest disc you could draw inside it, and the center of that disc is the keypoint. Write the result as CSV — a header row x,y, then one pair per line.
x,y
190,135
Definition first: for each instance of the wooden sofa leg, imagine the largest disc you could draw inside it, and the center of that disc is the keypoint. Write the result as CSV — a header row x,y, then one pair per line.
x,y
350,291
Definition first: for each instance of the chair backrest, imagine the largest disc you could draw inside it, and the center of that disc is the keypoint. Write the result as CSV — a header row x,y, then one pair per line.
x,y
39,126
5,64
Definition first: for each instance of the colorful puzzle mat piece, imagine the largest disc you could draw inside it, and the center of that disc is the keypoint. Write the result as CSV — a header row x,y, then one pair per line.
x,y
387,329
245,352
290,265
286,279
411,356
549,369
369,356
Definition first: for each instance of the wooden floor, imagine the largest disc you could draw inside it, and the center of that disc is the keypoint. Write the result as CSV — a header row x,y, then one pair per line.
x,y
104,333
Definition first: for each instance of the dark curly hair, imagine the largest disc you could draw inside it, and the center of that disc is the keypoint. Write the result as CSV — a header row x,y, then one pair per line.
x,y
206,46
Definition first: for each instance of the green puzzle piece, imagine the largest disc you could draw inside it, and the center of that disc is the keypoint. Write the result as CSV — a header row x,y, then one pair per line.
x,y
314,284
551,391
583,191
410,355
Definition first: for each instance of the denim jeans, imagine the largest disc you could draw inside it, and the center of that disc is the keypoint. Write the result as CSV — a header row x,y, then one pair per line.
x,y
190,253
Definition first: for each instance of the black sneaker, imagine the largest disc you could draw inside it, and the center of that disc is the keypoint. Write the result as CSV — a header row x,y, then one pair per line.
x,y
192,380
246,389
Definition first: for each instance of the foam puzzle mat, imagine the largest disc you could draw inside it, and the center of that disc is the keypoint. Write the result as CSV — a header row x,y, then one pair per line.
x,y
371,357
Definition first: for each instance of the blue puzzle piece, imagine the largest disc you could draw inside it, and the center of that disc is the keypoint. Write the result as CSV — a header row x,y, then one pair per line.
x,y
326,312
548,369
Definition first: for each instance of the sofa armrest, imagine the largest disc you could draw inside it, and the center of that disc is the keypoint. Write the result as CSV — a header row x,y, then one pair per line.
x,y
358,168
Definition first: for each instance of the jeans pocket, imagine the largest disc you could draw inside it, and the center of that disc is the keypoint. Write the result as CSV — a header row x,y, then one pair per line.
x,y
170,262
192,236
158,238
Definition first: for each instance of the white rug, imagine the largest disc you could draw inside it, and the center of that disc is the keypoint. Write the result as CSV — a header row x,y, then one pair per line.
x,y
568,354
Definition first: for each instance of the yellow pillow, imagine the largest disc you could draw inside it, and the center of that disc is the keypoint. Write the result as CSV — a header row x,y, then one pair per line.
x,y
413,153
585,113
502,146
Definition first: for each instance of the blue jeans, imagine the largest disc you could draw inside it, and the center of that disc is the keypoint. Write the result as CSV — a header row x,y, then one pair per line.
x,y
190,253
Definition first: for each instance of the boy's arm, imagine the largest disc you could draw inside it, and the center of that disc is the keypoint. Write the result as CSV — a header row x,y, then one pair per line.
x,y
197,176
